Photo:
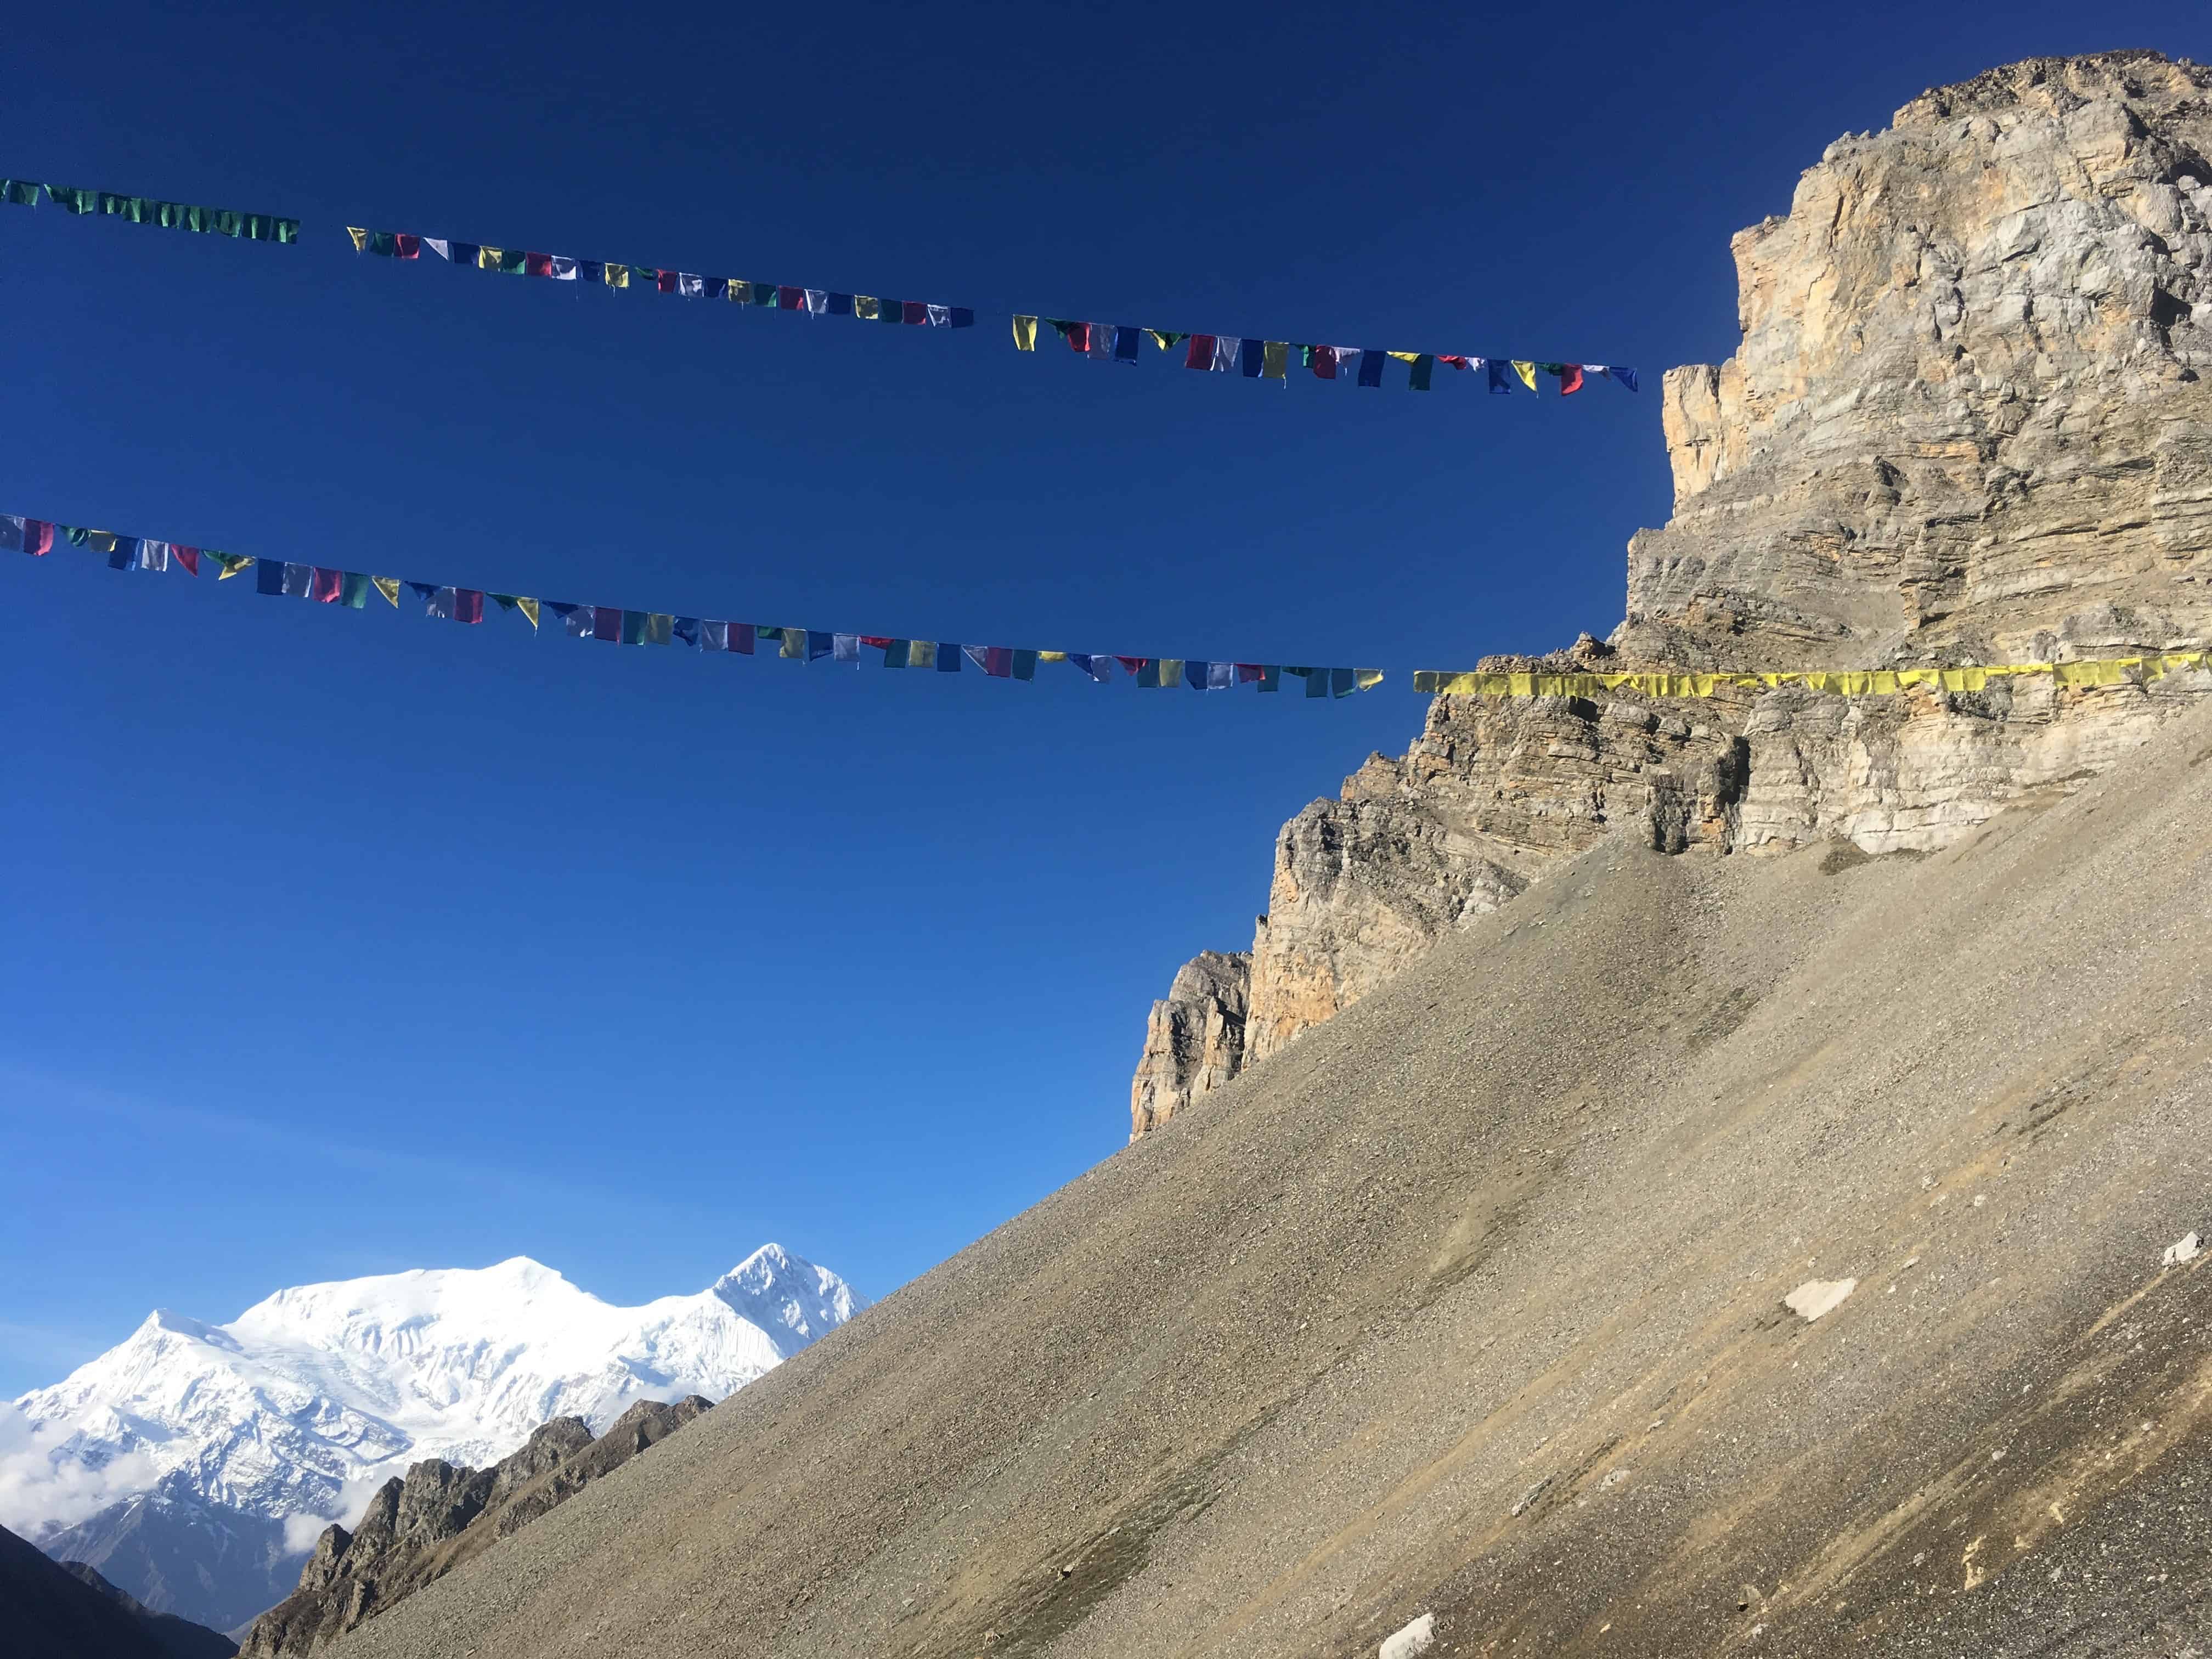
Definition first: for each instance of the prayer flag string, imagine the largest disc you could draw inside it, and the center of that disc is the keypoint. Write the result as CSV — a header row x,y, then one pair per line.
x,y
1249,356
147,211
618,625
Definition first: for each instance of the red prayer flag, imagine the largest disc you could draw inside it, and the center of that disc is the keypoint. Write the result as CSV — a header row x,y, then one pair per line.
x,y
741,638
406,245
1201,355
1247,672
329,586
1571,377
999,661
1132,663
664,281
38,538
917,311
1079,337
790,298
537,265
468,604
878,640
606,623
187,557
1324,363
1456,362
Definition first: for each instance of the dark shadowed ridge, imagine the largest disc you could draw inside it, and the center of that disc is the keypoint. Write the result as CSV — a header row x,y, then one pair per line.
x,y
1471,1303
65,1610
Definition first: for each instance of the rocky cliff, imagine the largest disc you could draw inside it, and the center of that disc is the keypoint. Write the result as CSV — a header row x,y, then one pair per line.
x,y
1966,424
417,1530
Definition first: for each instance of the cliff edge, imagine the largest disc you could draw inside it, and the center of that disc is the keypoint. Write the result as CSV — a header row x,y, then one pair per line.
x,y
1966,423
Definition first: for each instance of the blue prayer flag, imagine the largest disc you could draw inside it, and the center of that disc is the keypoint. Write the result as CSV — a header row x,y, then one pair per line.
x,y
269,576
1125,344
948,656
686,629
1625,376
963,317
818,645
1500,380
1371,366
1251,354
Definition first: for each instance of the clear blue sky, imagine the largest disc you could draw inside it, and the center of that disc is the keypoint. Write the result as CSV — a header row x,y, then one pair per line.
x,y
346,943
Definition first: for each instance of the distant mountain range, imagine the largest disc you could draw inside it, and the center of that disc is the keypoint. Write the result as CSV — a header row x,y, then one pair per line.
x,y
252,1436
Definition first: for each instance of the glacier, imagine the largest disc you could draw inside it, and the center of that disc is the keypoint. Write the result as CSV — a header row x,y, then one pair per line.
x,y
304,1402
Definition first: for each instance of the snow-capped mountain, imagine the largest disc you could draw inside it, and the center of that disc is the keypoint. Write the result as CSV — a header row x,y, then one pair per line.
x,y
306,1401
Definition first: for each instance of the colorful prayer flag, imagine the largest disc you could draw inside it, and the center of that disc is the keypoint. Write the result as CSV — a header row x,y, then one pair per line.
x,y
1200,354
387,586
1527,372
1275,362
269,579
659,629
1025,333
354,594
327,586
1370,366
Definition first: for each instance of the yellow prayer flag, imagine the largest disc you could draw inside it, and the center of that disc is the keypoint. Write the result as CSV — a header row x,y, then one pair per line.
x,y
359,238
738,292
1275,360
1404,357
1025,334
867,308
1526,371
528,607
101,541
389,587
617,275
1052,656
488,258
1161,337
231,566
1367,678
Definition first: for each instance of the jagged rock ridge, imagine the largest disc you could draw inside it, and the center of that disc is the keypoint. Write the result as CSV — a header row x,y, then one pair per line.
x,y
1965,423
418,1528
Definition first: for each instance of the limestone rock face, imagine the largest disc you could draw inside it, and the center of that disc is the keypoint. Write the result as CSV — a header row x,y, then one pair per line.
x,y
1195,1040
1966,423
417,1530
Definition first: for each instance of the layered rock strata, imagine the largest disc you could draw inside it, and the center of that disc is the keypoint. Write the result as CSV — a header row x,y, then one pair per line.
x,y
1966,424
417,1530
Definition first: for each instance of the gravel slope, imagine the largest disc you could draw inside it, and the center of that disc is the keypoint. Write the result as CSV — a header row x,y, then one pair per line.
x,y
1471,1302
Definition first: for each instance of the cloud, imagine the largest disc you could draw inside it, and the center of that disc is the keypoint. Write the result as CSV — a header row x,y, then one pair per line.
x,y
43,1487
344,1509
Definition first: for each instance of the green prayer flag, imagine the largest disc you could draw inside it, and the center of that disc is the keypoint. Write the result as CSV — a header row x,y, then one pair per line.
x,y
386,242
1024,665
355,594
1424,366
514,263
23,192
764,631
633,628
896,653
1271,677
892,310
76,200
78,534
763,294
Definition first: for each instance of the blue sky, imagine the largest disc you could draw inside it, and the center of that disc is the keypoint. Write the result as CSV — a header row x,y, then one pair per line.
x,y
346,943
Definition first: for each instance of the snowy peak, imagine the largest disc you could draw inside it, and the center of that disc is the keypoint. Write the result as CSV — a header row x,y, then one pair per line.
x,y
779,1291
315,1394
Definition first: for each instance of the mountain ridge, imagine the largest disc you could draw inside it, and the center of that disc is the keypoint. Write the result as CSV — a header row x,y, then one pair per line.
x,y
253,1434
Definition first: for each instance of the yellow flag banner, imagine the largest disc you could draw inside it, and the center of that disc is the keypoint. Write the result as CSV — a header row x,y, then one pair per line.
x,y
1840,682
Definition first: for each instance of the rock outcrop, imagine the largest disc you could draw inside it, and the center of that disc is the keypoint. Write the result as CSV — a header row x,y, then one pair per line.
x,y
417,1530
1966,424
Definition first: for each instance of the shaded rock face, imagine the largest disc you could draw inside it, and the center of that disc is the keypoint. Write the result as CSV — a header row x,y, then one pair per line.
x,y
417,1530
1966,423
